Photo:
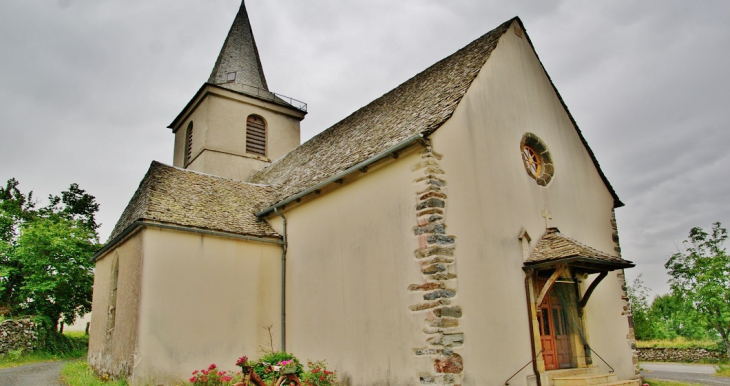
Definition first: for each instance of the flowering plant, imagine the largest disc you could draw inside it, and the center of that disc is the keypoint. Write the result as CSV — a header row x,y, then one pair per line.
x,y
292,365
243,363
212,377
288,366
318,375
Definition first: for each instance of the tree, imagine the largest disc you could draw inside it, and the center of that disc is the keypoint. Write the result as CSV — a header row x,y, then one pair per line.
x,y
701,275
644,328
45,267
677,317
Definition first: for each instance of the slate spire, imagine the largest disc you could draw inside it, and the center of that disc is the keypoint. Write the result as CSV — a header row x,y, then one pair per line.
x,y
238,67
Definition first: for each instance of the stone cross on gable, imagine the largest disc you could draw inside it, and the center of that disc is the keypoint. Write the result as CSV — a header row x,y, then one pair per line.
x,y
548,217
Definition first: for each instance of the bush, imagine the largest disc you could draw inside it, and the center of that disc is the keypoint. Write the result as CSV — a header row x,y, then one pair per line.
x,y
317,375
274,359
213,377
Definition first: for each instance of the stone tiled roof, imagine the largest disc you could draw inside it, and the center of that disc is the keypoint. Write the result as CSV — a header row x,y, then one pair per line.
x,y
420,105
176,196
240,55
555,246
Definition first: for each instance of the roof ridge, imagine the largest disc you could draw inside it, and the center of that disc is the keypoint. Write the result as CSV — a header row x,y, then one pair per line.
x,y
372,128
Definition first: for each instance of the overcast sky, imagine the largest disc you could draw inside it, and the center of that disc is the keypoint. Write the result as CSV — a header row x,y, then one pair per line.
x,y
88,87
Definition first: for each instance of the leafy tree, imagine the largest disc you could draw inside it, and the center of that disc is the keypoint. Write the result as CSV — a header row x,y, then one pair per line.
x,y
644,327
701,274
15,210
676,316
44,254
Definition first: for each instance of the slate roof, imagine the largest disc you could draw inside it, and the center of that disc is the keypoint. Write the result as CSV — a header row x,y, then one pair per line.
x,y
554,246
420,105
240,54
176,196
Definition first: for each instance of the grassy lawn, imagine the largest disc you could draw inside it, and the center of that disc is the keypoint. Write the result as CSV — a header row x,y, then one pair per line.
x,y
78,373
677,343
17,358
656,382
723,371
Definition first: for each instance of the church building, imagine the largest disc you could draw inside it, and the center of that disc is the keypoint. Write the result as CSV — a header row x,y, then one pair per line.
x,y
458,230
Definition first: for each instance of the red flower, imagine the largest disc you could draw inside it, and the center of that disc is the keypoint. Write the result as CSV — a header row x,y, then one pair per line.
x,y
192,380
212,366
321,378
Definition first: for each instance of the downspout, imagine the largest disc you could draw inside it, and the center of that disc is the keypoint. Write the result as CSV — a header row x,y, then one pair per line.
x,y
283,283
532,328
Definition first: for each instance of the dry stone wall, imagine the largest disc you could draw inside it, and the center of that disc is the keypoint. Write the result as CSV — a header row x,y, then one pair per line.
x,y
18,334
661,354
435,256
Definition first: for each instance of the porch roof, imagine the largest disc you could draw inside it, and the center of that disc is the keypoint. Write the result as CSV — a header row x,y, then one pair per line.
x,y
555,249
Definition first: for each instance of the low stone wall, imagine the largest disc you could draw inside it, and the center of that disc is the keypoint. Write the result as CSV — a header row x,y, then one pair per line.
x,y
15,334
677,354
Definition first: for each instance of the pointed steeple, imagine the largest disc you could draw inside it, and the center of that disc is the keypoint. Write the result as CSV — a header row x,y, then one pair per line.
x,y
238,67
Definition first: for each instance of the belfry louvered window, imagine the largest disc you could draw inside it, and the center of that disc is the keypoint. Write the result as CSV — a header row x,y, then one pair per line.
x,y
189,144
256,135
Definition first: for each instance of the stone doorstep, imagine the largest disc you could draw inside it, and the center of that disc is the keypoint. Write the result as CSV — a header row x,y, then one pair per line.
x,y
627,382
585,380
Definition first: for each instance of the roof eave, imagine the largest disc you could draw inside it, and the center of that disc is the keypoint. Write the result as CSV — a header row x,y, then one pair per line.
x,y
201,93
587,264
141,223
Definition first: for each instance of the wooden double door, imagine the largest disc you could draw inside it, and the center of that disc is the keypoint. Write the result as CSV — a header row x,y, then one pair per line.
x,y
554,333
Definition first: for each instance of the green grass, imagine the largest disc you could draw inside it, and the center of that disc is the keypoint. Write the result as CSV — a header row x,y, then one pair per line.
x,y
723,371
79,340
656,382
19,358
678,343
78,373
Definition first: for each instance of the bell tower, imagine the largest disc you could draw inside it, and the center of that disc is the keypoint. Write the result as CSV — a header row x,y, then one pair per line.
x,y
234,126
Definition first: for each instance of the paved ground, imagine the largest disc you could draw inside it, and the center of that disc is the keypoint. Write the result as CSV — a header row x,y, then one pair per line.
x,y
38,374
702,374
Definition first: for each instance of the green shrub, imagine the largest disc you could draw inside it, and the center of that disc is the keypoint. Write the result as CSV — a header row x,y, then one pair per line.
x,y
274,359
55,343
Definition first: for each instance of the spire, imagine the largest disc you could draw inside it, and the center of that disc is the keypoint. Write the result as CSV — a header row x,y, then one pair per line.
x,y
238,67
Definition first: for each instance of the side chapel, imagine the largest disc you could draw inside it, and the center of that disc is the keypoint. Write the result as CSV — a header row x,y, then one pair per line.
x,y
450,232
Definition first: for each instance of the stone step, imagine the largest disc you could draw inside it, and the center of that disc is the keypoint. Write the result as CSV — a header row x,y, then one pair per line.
x,y
626,382
585,380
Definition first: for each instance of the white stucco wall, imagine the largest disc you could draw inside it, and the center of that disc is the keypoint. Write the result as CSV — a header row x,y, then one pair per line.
x,y
112,348
351,261
205,300
349,265
219,134
491,198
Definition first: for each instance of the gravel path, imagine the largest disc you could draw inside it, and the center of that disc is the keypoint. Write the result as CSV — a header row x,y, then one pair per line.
x,y
702,374
37,374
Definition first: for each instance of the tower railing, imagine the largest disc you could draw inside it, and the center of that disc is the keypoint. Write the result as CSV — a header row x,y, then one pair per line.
x,y
273,97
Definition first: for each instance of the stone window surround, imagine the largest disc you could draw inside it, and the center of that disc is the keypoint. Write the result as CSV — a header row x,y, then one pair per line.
x,y
546,170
